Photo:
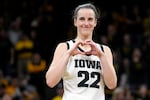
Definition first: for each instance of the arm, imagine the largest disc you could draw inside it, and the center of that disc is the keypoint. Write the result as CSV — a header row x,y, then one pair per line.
x,y
109,74
59,62
58,65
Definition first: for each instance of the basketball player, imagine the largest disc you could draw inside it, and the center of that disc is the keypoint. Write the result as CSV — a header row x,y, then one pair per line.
x,y
86,67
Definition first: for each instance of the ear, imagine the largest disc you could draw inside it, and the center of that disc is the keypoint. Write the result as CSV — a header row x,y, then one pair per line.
x,y
75,22
95,23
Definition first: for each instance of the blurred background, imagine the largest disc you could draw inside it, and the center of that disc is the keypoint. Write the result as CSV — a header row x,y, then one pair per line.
x,y
31,29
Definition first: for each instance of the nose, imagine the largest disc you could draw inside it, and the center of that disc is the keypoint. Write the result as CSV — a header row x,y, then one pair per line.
x,y
86,22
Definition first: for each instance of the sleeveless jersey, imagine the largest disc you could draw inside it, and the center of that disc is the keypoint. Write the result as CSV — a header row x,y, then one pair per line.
x,y
82,78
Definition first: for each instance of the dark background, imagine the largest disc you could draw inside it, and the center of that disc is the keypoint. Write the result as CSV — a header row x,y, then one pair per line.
x,y
56,26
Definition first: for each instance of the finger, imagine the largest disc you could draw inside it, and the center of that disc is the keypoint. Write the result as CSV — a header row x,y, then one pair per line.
x,y
78,52
88,53
79,42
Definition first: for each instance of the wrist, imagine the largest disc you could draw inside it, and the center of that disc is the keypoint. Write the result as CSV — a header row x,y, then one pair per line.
x,y
67,53
102,56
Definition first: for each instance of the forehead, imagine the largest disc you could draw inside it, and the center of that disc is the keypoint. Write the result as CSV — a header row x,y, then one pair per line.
x,y
86,12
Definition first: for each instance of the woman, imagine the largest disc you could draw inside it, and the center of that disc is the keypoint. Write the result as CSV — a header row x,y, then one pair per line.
x,y
85,66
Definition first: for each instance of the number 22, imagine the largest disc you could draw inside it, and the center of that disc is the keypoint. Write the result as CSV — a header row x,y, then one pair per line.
x,y
88,75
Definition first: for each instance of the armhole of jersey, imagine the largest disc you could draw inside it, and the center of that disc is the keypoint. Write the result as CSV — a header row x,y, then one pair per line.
x,y
67,45
102,48
73,40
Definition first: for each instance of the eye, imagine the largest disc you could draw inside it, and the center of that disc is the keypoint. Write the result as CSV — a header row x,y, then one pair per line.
x,y
81,18
90,19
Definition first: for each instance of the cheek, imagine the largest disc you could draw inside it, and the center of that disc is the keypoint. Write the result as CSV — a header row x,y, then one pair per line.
x,y
79,24
94,24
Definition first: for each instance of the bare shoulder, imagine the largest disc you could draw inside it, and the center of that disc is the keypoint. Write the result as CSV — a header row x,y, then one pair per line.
x,y
59,51
62,46
107,49
108,52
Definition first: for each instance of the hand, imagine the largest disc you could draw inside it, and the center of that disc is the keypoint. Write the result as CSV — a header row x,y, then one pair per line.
x,y
95,50
75,49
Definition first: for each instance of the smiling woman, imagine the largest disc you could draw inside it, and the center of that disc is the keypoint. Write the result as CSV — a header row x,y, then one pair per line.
x,y
85,66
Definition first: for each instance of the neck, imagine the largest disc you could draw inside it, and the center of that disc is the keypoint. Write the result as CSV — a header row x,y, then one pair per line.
x,y
83,38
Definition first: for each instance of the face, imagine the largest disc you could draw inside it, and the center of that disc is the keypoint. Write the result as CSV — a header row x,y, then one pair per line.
x,y
85,21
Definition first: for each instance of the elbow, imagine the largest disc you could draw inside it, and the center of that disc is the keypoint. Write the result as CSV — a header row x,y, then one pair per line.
x,y
50,84
112,85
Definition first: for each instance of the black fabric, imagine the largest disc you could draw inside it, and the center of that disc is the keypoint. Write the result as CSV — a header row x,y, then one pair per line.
x,y
73,41
67,45
102,47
